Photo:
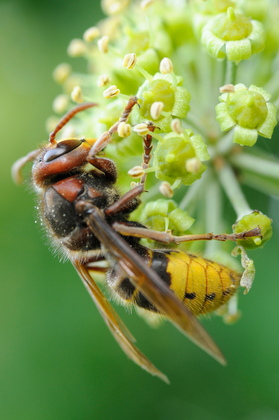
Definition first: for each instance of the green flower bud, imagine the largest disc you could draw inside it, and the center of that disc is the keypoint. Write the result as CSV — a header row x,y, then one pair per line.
x,y
248,108
249,112
172,154
163,88
164,215
233,36
251,221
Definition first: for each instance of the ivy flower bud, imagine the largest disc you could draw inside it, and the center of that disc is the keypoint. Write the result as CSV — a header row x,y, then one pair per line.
x,y
248,110
163,215
174,151
233,35
249,222
174,98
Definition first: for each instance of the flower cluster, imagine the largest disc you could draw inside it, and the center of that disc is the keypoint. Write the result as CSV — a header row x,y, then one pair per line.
x,y
177,58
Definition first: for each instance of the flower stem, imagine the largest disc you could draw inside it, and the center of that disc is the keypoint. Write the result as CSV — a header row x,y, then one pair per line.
x,y
231,72
213,212
191,197
233,191
256,164
195,124
225,144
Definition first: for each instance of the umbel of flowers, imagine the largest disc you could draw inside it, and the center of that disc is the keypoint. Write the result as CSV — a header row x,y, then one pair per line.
x,y
206,78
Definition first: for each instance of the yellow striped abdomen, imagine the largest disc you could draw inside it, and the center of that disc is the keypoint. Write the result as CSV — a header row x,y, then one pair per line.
x,y
203,285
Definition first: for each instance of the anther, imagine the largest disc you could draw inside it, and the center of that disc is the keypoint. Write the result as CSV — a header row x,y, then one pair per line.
x,y
141,129
103,80
91,33
111,92
166,66
76,94
156,110
61,73
76,48
103,44
166,189
129,61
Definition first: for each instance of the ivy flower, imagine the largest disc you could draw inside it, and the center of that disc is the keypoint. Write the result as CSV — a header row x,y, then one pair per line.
x,y
248,110
165,89
248,222
233,36
179,157
163,215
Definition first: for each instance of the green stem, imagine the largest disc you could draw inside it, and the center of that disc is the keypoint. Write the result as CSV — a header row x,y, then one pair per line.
x,y
224,145
231,72
213,212
195,125
256,164
233,191
192,193
224,64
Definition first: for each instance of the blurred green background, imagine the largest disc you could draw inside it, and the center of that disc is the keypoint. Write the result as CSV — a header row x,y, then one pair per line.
x,y
57,358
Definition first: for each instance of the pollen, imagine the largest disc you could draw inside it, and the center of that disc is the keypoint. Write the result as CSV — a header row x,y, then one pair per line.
x,y
141,129
136,172
60,103
112,7
91,33
103,44
229,88
156,110
76,94
193,165
129,61
166,189
61,73
111,92
103,80
76,48
124,129
176,126
166,66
